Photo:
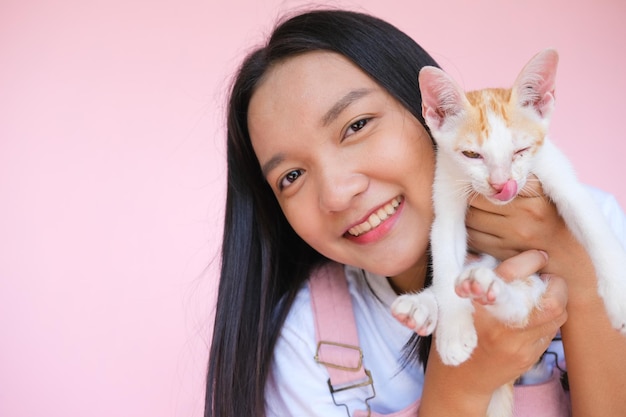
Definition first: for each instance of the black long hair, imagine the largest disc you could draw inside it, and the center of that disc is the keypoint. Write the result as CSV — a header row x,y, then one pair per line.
x,y
264,262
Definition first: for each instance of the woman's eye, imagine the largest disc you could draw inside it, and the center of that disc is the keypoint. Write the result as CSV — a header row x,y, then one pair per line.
x,y
356,126
472,154
290,178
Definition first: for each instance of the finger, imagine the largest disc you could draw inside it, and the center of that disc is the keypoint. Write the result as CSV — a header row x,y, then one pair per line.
x,y
551,314
481,219
481,242
554,301
483,231
522,265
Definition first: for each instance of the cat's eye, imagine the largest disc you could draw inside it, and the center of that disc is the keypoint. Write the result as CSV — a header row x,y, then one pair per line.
x,y
521,151
289,178
472,154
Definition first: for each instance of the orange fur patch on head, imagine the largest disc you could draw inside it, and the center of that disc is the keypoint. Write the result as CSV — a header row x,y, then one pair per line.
x,y
521,121
495,102
483,103
490,101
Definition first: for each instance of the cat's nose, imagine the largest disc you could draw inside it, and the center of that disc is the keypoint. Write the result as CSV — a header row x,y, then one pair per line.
x,y
498,186
505,191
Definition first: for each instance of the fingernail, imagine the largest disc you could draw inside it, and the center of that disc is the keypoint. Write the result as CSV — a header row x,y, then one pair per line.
x,y
545,254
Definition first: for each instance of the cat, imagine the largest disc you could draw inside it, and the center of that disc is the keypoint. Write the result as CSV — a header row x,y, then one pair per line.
x,y
489,142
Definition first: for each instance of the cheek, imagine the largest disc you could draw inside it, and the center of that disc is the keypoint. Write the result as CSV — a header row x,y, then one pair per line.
x,y
422,168
420,171
411,159
304,219
521,167
478,173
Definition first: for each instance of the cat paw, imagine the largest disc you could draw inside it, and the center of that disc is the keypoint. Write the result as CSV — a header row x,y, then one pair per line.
x,y
418,312
456,343
480,284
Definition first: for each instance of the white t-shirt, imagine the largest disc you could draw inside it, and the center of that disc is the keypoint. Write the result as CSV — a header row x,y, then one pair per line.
x,y
298,385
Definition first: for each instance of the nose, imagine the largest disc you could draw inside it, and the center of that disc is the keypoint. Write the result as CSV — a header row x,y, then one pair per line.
x,y
338,189
497,186
498,179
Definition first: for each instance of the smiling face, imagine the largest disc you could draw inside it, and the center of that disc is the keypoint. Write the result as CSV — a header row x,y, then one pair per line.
x,y
351,168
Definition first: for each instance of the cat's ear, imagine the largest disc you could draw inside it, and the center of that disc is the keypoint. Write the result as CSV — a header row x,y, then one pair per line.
x,y
534,87
442,98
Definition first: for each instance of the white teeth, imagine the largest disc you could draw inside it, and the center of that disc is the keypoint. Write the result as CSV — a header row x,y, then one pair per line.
x,y
376,218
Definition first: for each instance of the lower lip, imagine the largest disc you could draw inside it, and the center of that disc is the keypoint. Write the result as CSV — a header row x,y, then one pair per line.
x,y
381,231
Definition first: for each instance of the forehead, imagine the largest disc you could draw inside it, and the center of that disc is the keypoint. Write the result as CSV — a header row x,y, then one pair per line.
x,y
304,87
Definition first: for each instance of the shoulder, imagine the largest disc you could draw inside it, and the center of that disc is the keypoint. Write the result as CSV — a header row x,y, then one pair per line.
x,y
298,384
295,381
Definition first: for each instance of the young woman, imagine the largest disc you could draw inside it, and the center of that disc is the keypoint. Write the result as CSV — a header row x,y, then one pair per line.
x,y
329,161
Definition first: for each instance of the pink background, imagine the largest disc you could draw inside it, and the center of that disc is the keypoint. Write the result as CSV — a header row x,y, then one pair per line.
x,y
112,172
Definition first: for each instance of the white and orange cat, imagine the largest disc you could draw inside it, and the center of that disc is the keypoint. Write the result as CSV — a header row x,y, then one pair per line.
x,y
488,142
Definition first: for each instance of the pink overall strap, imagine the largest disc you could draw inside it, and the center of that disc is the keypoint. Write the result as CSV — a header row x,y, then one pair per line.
x,y
335,328
337,338
547,399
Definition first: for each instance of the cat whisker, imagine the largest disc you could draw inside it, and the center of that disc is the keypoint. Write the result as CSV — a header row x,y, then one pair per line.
x,y
464,190
471,196
530,190
452,190
461,191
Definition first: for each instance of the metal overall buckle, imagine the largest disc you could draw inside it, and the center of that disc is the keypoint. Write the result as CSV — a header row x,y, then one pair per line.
x,y
368,381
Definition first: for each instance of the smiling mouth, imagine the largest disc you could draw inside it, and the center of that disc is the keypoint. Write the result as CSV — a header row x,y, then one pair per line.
x,y
376,218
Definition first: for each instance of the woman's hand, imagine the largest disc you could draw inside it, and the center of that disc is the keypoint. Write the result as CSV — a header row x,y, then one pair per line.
x,y
531,221
503,353
512,351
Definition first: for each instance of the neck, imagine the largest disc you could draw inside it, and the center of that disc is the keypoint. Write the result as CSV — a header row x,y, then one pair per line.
x,y
413,279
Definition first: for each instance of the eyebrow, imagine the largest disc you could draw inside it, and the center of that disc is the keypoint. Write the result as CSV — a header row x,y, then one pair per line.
x,y
272,163
343,102
330,115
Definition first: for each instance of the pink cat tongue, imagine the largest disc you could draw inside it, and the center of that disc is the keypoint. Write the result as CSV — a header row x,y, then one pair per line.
x,y
508,192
